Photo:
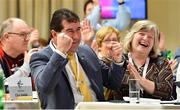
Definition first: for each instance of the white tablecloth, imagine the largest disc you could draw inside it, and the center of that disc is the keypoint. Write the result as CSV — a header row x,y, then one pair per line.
x,y
125,106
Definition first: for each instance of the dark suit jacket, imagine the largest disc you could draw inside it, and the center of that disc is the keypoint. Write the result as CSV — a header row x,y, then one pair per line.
x,y
51,80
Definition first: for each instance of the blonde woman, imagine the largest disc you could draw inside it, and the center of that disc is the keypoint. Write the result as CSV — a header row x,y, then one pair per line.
x,y
109,49
154,72
109,46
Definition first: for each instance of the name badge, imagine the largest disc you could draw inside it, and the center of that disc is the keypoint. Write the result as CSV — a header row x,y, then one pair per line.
x,y
20,88
79,98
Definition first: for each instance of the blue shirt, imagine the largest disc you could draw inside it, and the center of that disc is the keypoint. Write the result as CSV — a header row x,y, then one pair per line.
x,y
121,22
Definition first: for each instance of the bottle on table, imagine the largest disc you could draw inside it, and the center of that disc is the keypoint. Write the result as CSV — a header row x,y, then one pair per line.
x,y
1,88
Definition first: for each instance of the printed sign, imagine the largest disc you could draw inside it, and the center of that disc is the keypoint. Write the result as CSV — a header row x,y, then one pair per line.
x,y
20,87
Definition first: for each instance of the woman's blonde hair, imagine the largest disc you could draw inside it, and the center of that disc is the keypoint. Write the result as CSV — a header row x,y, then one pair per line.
x,y
106,31
143,25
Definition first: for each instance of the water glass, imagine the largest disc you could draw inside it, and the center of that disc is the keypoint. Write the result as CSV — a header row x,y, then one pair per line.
x,y
134,90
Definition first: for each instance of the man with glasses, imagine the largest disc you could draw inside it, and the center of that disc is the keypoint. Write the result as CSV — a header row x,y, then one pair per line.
x,y
14,38
66,73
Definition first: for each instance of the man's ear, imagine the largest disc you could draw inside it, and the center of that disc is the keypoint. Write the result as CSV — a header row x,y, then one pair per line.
x,y
53,33
5,35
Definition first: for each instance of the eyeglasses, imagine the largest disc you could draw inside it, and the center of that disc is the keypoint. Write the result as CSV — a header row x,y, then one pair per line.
x,y
109,41
23,35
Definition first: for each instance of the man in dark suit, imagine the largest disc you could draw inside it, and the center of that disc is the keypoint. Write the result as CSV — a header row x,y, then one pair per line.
x,y
59,85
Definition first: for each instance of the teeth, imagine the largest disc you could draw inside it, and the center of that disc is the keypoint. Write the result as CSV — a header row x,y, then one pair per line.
x,y
143,44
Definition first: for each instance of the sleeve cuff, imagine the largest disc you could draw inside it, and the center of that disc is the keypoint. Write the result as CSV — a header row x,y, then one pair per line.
x,y
25,69
60,53
119,63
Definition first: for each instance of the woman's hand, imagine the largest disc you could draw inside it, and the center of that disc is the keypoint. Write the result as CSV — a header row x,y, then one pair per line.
x,y
87,32
117,51
133,71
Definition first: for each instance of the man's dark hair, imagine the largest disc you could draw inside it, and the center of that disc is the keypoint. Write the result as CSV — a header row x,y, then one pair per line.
x,y
60,15
85,5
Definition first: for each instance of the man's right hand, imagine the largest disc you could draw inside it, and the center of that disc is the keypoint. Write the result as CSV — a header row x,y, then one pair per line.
x,y
64,42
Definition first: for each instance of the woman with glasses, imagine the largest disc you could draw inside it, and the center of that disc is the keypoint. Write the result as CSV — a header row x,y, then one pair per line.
x,y
109,49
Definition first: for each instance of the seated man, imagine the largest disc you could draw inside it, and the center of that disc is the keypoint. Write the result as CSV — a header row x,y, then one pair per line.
x,y
66,73
14,58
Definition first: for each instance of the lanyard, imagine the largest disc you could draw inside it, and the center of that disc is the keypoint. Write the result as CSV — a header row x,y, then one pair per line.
x,y
145,67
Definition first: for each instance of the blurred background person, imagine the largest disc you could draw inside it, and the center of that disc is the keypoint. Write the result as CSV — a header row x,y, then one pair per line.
x,y
87,33
42,43
35,41
163,51
88,7
121,22
168,54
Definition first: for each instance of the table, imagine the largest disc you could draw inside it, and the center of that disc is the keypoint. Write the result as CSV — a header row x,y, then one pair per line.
x,y
22,104
124,106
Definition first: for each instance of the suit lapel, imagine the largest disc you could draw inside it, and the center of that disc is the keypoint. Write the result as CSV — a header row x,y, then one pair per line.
x,y
90,71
